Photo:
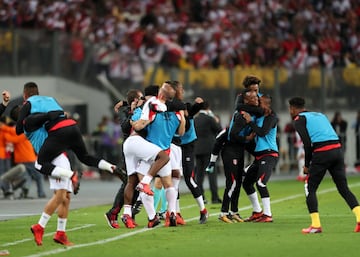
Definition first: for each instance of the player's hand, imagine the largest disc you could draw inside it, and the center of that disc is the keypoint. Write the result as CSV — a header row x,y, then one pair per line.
x,y
210,168
118,105
198,100
246,116
6,97
306,170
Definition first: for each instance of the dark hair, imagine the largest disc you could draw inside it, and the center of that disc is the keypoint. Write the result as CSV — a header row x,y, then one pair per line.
x,y
30,89
205,105
131,95
297,102
251,80
267,96
177,84
14,112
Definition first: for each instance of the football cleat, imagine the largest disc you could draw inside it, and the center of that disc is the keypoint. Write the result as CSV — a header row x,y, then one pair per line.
x,y
170,219
38,232
173,220
236,217
142,187
128,221
264,218
61,238
254,216
357,228
204,215
224,218
179,219
112,220
154,222
136,208
75,180
311,230
161,215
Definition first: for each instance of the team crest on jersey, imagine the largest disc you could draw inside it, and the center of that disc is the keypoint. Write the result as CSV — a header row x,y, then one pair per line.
x,y
263,162
235,161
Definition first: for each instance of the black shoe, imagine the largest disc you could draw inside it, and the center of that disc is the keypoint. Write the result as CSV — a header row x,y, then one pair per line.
x,y
154,222
161,215
216,201
172,220
136,208
203,216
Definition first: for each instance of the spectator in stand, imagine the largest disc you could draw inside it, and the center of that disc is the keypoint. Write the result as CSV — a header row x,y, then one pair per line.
x,y
282,21
340,126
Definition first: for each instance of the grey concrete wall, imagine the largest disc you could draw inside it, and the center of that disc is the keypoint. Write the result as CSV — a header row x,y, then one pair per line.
x,y
66,92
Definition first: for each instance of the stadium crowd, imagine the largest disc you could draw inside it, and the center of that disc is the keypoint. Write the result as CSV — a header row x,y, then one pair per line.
x,y
199,34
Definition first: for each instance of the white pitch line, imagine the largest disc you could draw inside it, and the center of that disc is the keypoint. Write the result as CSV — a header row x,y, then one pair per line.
x,y
18,214
59,250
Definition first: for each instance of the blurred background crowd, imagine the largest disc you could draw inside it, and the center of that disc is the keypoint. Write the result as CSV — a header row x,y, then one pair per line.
x,y
292,44
200,33
305,47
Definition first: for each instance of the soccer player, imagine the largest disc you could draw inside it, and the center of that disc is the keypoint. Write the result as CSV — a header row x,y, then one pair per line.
x,y
187,144
62,133
153,155
323,152
232,142
62,187
134,99
251,83
266,155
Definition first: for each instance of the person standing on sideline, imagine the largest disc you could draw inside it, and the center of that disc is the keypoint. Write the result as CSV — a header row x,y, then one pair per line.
x,y
134,99
266,155
147,162
187,142
356,127
206,127
340,127
5,161
232,142
323,152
